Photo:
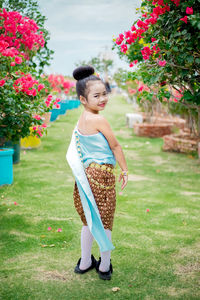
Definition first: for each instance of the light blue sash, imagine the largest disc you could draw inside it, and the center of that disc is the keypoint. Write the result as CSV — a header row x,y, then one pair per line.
x,y
88,202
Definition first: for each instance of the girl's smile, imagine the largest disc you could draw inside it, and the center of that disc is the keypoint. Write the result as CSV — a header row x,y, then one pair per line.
x,y
97,97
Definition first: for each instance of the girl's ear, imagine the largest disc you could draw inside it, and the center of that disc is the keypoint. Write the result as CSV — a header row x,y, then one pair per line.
x,y
83,100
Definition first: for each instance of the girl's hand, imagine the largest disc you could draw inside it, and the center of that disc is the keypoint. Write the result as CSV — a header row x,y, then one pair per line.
x,y
124,180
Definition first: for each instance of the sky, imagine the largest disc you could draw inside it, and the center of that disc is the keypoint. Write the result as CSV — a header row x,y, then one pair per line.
x,y
81,29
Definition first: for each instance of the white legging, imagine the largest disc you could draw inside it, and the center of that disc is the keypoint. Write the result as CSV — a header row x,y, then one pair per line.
x,y
86,247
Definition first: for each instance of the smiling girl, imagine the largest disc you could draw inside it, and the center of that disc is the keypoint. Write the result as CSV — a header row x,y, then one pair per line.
x,y
92,155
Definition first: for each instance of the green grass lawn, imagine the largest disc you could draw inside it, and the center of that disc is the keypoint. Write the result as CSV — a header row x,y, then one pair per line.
x,y
156,253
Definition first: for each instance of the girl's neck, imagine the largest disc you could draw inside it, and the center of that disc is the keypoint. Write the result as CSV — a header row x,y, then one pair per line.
x,y
91,111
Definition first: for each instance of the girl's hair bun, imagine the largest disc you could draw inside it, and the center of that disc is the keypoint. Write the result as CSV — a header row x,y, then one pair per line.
x,y
83,72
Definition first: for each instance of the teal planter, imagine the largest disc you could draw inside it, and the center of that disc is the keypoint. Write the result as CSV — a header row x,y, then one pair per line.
x,y
73,103
16,147
64,106
6,163
54,114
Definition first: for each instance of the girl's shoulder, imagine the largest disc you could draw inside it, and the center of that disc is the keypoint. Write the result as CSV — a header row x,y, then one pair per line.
x,y
96,119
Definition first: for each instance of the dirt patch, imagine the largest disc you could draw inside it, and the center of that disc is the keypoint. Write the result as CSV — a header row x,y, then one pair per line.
x,y
187,269
174,292
187,193
178,210
44,275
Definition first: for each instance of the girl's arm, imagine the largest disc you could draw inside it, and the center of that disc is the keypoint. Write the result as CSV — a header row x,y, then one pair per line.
x,y
103,126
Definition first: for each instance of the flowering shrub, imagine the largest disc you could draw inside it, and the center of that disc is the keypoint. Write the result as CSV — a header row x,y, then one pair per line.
x,y
164,44
19,37
24,96
60,84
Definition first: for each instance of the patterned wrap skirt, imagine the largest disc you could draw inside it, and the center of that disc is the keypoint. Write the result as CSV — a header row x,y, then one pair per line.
x,y
102,184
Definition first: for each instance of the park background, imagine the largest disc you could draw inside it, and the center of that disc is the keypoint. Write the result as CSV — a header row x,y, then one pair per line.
x,y
154,112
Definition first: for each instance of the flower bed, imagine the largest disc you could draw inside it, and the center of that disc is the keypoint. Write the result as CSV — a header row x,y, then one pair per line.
x,y
152,130
183,143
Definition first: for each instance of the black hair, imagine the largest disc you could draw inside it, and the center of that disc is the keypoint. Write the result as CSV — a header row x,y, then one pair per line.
x,y
83,75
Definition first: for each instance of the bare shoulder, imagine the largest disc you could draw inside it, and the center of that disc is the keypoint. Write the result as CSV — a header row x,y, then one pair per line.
x,y
99,121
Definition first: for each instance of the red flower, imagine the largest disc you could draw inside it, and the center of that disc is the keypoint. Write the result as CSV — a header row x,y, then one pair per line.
x,y
140,88
133,28
18,60
124,48
184,19
162,63
189,10
131,65
2,82
153,39
37,117
12,64
40,87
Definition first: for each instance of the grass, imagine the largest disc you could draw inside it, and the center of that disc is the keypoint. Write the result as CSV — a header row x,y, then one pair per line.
x,y
156,253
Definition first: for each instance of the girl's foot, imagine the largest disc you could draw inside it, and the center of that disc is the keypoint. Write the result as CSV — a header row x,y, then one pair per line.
x,y
93,265
104,275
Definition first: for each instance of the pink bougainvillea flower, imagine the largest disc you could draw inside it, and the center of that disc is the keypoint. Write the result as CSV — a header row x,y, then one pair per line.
x,y
57,105
37,117
59,230
34,128
2,82
184,19
133,28
189,10
15,203
49,228
12,64
44,125
135,61
39,132
147,210
153,39
144,15
131,65
124,48
120,193
141,88
18,60
40,87
47,103
162,63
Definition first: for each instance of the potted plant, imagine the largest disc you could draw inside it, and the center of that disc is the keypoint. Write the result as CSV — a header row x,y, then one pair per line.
x,y
6,163
23,92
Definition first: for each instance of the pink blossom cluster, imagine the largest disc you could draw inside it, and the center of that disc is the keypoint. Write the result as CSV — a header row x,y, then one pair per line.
x,y
49,100
39,128
27,84
59,83
130,37
17,33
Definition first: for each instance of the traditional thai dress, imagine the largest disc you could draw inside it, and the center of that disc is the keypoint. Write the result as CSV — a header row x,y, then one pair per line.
x,y
92,162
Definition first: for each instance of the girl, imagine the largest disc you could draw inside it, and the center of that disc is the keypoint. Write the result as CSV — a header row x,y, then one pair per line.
x,y
92,156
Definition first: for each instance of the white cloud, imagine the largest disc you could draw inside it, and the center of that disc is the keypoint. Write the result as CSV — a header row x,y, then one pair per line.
x,y
80,29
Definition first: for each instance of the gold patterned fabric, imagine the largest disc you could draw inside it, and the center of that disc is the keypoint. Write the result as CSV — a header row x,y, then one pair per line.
x,y
102,182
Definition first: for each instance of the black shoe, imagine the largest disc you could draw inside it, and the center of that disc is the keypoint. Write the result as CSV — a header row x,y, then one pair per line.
x,y
104,275
93,265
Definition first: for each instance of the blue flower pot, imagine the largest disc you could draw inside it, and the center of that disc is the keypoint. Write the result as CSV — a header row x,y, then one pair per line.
x,y
64,106
54,114
16,147
6,163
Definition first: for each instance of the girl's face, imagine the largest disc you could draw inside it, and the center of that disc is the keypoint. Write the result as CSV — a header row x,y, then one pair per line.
x,y
97,97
